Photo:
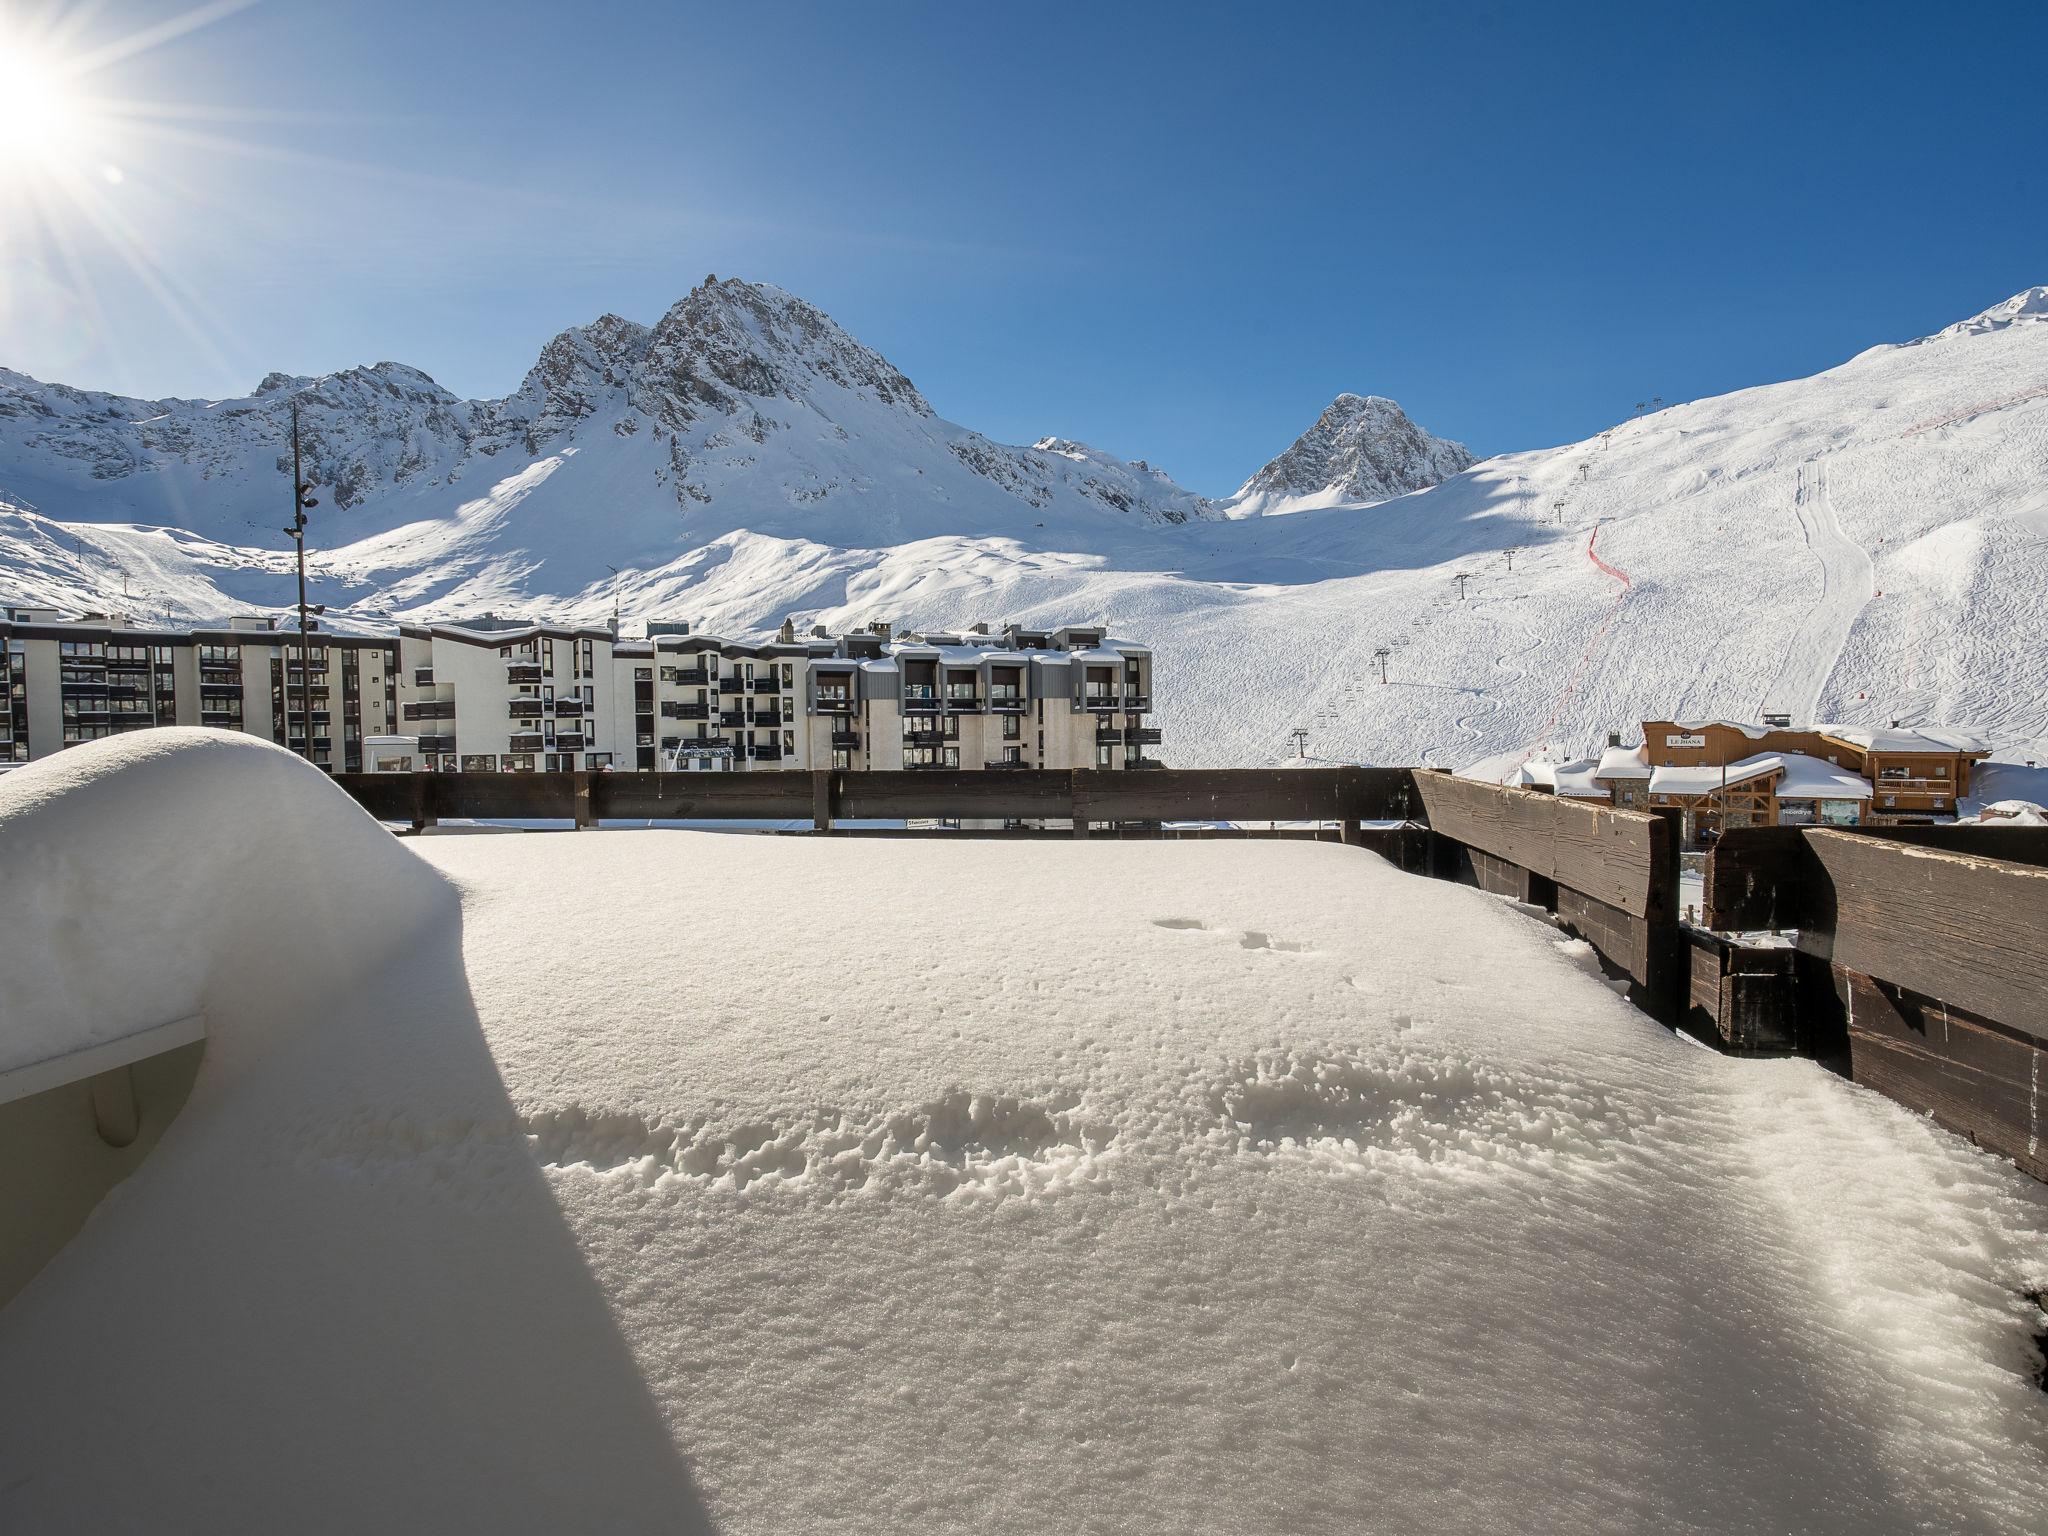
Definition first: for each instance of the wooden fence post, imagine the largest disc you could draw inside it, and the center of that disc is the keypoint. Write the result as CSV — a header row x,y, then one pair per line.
x,y
821,799
422,809
580,782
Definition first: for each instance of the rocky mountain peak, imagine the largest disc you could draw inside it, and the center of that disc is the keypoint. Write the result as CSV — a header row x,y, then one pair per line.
x,y
1362,448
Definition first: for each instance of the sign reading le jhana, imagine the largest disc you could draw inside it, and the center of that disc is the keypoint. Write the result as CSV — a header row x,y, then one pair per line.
x,y
1685,741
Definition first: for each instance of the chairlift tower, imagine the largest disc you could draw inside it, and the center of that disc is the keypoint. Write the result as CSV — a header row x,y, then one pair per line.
x,y
1461,578
1300,735
1381,656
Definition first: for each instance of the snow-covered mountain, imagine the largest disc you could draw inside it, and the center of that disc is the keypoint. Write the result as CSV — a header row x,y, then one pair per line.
x,y
1867,544
1362,448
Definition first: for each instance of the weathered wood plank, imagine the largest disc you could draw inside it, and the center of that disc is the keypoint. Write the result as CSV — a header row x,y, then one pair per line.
x,y
1756,879
1624,859
696,796
1651,954
1744,995
2015,845
1972,932
1243,794
1973,1077
993,794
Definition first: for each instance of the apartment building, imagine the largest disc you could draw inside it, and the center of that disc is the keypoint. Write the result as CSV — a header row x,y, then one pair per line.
x,y
70,680
494,695
1062,698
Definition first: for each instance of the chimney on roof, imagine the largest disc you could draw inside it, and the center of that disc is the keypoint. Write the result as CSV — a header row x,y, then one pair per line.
x,y
1614,738
879,627
819,632
977,629
787,634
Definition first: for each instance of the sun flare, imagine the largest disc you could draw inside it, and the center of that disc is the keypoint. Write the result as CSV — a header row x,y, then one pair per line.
x,y
42,120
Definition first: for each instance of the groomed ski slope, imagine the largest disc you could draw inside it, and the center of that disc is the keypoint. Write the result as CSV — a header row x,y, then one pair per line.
x,y
672,1181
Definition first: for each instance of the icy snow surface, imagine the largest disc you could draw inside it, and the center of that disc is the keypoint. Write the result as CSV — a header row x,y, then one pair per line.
x,y
684,1181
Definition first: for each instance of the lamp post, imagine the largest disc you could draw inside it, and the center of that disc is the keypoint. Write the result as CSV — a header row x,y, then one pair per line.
x,y
301,502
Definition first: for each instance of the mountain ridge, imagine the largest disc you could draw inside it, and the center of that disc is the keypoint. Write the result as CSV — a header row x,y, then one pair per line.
x,y
1862,544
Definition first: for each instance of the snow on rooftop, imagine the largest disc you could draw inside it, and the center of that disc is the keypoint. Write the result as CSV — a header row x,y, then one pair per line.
x,y
1622,763
1247,1187
1799,777
1921,738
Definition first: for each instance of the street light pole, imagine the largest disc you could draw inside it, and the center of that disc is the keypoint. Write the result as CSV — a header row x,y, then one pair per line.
x,y
300,503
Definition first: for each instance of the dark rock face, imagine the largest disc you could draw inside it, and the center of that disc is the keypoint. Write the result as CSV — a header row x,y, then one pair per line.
x,y
1363,448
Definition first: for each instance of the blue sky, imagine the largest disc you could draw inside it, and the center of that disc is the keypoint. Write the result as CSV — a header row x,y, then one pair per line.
x,y
1174,231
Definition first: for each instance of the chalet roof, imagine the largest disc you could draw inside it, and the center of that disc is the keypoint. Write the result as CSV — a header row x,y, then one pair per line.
x,y
1798,776
1922,738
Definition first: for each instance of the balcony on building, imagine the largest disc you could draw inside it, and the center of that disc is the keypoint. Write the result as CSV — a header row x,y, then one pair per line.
x,y
767,752
767,685
963,693
686,677
523,741
520,709
732,685
846,741
573,742
768,719
522,672
428,709
923,738
423,677
568,709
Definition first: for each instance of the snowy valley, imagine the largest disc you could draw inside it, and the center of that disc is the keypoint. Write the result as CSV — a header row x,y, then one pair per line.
x,y
1864,545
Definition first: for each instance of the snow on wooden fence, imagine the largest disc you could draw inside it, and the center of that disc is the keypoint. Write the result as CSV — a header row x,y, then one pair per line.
x,y
1924,948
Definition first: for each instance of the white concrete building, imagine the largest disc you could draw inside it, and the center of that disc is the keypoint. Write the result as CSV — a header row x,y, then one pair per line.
x,y
69,680
492,695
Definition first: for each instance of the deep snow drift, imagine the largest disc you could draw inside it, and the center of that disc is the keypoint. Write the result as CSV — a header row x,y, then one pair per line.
x,y
788,1185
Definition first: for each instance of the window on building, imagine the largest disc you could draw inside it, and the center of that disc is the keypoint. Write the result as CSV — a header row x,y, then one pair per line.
x,y
789,741
1013,728
1102,757
842,758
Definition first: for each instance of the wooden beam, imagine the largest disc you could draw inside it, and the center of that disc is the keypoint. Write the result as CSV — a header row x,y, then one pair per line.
x,y
1756,880
1744,996
580,790
1650,953
1973,1076
1624,859
821,799
1969,931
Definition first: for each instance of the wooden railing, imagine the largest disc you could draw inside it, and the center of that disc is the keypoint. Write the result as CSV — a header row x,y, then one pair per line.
x,y
1920,953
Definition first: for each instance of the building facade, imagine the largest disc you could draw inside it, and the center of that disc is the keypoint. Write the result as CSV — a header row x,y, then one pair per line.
x,y
70,680
493,695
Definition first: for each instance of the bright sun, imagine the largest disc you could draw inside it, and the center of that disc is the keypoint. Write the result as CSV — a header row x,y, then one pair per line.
x,y
39,117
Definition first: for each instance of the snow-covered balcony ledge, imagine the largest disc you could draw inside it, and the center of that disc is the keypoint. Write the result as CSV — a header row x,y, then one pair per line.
x,y
1251,1186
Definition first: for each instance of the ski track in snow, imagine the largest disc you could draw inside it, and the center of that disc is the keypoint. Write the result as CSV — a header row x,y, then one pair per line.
x,y
1847,585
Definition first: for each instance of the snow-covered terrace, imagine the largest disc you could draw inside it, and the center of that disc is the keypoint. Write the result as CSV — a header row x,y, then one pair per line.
x,y
635,1180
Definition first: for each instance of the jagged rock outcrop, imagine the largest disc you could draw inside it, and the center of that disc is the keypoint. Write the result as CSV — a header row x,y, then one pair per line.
x,y
1362,448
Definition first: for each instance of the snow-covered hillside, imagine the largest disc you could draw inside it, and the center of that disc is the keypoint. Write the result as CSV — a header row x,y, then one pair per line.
x,y
1867,544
